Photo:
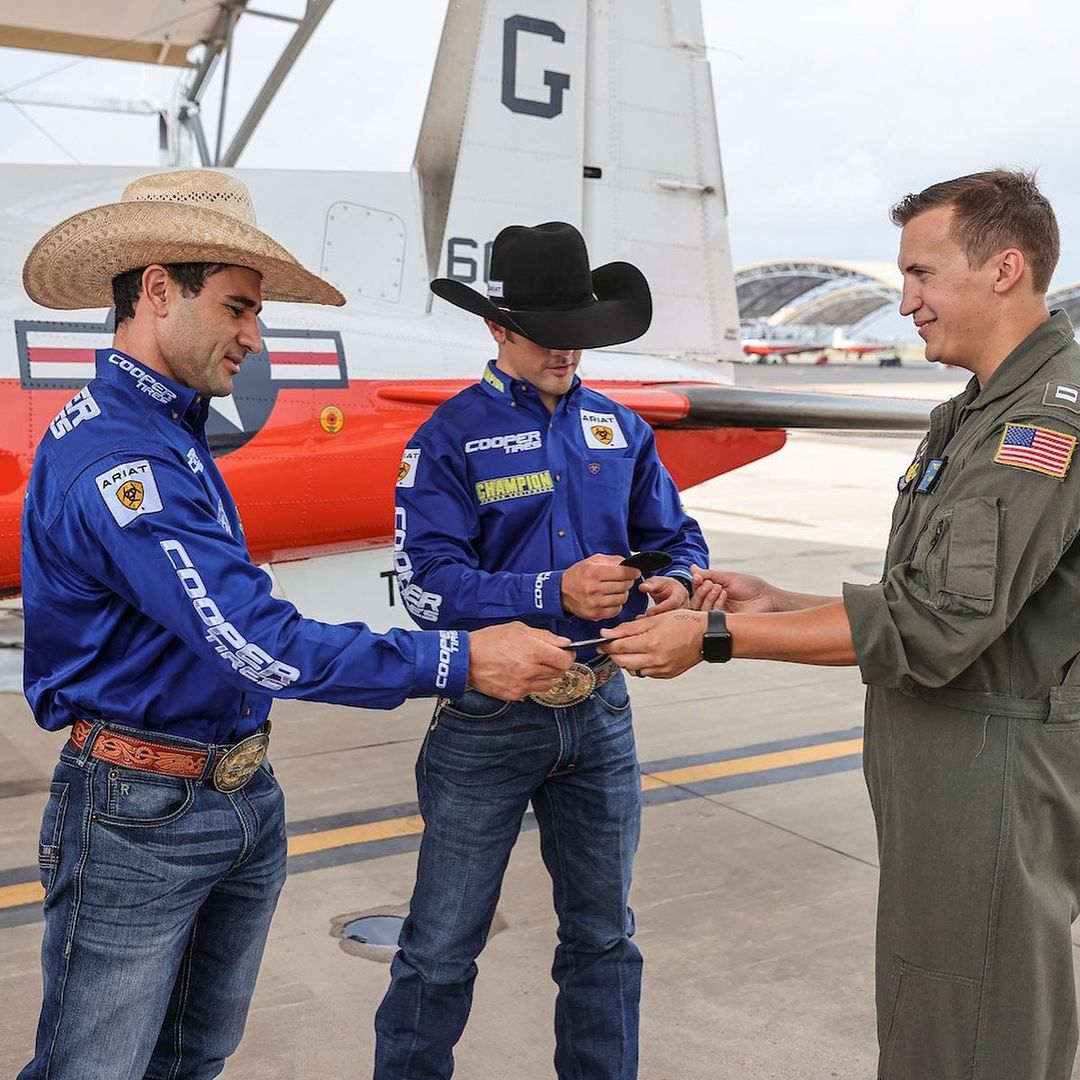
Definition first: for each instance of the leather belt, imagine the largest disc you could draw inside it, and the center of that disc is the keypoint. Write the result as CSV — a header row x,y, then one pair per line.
x,y
577,683
234,766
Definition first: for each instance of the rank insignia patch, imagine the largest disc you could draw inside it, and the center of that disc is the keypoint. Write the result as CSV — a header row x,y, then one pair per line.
x,y
1039,449
1063,395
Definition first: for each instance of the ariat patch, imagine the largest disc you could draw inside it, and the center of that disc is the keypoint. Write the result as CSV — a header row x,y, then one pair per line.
x,y
410,461
1039,449
129,491
602,431
514,487
1063,395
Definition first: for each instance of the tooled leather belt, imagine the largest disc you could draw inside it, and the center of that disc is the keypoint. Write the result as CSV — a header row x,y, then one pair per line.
x,y
233,765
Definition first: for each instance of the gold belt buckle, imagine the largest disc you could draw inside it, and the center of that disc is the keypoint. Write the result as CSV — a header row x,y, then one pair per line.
x,y
575,684
238,766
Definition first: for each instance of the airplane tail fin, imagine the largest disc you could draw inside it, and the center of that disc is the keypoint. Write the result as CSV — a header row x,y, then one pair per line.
x,y
600,114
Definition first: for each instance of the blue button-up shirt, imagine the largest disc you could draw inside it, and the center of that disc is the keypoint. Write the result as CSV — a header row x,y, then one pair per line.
x,y
496,497
141,603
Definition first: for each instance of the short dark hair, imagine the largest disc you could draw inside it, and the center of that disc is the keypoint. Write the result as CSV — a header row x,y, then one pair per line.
x,y
994,210
191,277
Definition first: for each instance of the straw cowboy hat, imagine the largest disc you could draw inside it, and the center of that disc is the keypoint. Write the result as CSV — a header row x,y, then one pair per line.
x,y
192,215
540,286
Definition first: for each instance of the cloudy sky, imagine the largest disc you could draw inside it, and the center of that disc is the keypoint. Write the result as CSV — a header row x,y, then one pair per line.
x,y
828,111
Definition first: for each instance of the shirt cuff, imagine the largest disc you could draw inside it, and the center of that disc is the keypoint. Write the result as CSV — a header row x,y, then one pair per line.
x,y
877,643
543,593
442,663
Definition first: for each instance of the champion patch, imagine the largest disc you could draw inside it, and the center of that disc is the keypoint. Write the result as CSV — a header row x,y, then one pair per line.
x,y
602,431
406,475
129,491
514,487
1039,449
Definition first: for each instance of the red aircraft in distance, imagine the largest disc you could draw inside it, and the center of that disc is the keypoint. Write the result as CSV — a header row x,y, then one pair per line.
x,y
516,130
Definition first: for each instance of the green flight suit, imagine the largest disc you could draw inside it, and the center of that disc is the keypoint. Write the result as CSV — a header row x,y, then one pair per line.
x,y
968,647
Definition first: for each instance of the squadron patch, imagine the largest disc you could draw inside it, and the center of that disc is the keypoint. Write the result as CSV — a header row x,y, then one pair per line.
x,y
931,475
1043,450
602,431
1063,395
406,474
514,487
129,491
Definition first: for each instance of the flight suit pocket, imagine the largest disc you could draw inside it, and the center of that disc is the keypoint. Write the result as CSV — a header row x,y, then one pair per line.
x,y
932,1027
959,557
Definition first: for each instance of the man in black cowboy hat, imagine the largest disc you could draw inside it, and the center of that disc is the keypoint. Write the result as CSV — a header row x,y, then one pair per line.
x,y
520,499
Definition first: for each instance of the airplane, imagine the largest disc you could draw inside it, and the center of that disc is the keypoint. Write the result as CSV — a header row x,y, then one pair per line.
x,y
599,114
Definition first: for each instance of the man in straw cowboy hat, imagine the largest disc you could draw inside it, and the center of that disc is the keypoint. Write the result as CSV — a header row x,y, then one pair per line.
x,y
523,495
151,635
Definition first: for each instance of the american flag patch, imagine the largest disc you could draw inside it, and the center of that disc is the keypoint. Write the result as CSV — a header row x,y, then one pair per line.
x,y
1036,448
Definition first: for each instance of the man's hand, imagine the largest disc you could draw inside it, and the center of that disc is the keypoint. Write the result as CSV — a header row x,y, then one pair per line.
x,y
513,660
662,647
668,594
596,588
718,590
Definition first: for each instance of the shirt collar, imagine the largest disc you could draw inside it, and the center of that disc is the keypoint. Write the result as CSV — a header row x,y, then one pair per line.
x,y
1045,341
515,392
179,403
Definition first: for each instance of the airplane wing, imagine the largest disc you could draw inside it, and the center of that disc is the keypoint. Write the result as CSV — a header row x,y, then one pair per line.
x,y
709,405
149,32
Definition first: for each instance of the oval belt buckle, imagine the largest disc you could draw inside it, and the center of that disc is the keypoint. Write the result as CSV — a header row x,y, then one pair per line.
x,y
238,766
575,684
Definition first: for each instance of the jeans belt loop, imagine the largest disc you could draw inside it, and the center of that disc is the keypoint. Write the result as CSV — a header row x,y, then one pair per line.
x,y
82,755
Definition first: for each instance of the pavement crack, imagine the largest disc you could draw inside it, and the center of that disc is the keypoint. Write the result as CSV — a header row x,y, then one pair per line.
x,y
790,832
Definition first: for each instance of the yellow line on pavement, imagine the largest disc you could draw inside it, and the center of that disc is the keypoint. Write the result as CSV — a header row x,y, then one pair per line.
x,y
31,893
779,759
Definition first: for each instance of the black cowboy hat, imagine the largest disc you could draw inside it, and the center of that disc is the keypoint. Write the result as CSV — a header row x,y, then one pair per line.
x,y
540,286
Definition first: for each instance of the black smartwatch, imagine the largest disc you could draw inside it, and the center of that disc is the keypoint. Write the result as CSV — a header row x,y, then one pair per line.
x,y
716,641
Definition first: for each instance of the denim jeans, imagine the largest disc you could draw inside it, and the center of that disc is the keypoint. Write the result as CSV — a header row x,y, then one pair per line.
x,y
159,894
482,762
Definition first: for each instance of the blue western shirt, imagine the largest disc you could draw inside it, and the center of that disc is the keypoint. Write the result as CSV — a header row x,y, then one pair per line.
x,y
141,603
496,497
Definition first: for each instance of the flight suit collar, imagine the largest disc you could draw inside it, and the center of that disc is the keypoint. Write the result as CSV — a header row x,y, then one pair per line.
x,y
1045,341
179,403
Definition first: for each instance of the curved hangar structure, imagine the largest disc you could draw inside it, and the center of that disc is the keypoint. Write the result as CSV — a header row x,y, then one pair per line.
x,y
818,294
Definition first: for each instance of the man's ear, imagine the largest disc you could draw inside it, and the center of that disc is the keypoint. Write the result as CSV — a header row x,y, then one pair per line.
x,y
1010,269
156,291
499,333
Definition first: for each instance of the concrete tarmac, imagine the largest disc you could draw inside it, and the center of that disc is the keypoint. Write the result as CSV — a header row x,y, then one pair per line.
x,y
755,882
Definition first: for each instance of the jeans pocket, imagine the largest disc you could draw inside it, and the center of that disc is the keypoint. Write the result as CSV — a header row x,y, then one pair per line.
x,y
52,828
932,1027
141,800
614,695
472,705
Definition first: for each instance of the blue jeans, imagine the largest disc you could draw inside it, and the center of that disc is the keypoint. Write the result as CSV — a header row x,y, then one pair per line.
x,y
159,894
482,762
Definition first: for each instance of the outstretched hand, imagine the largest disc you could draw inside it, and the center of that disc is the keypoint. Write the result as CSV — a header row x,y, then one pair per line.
x,y
512,660
661,647
720,590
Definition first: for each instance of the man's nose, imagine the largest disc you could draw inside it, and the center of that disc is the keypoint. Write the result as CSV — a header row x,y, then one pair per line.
x,y
250,338
909,302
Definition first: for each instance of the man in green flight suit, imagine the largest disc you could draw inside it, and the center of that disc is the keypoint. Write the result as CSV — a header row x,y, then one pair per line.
x,y
968,647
